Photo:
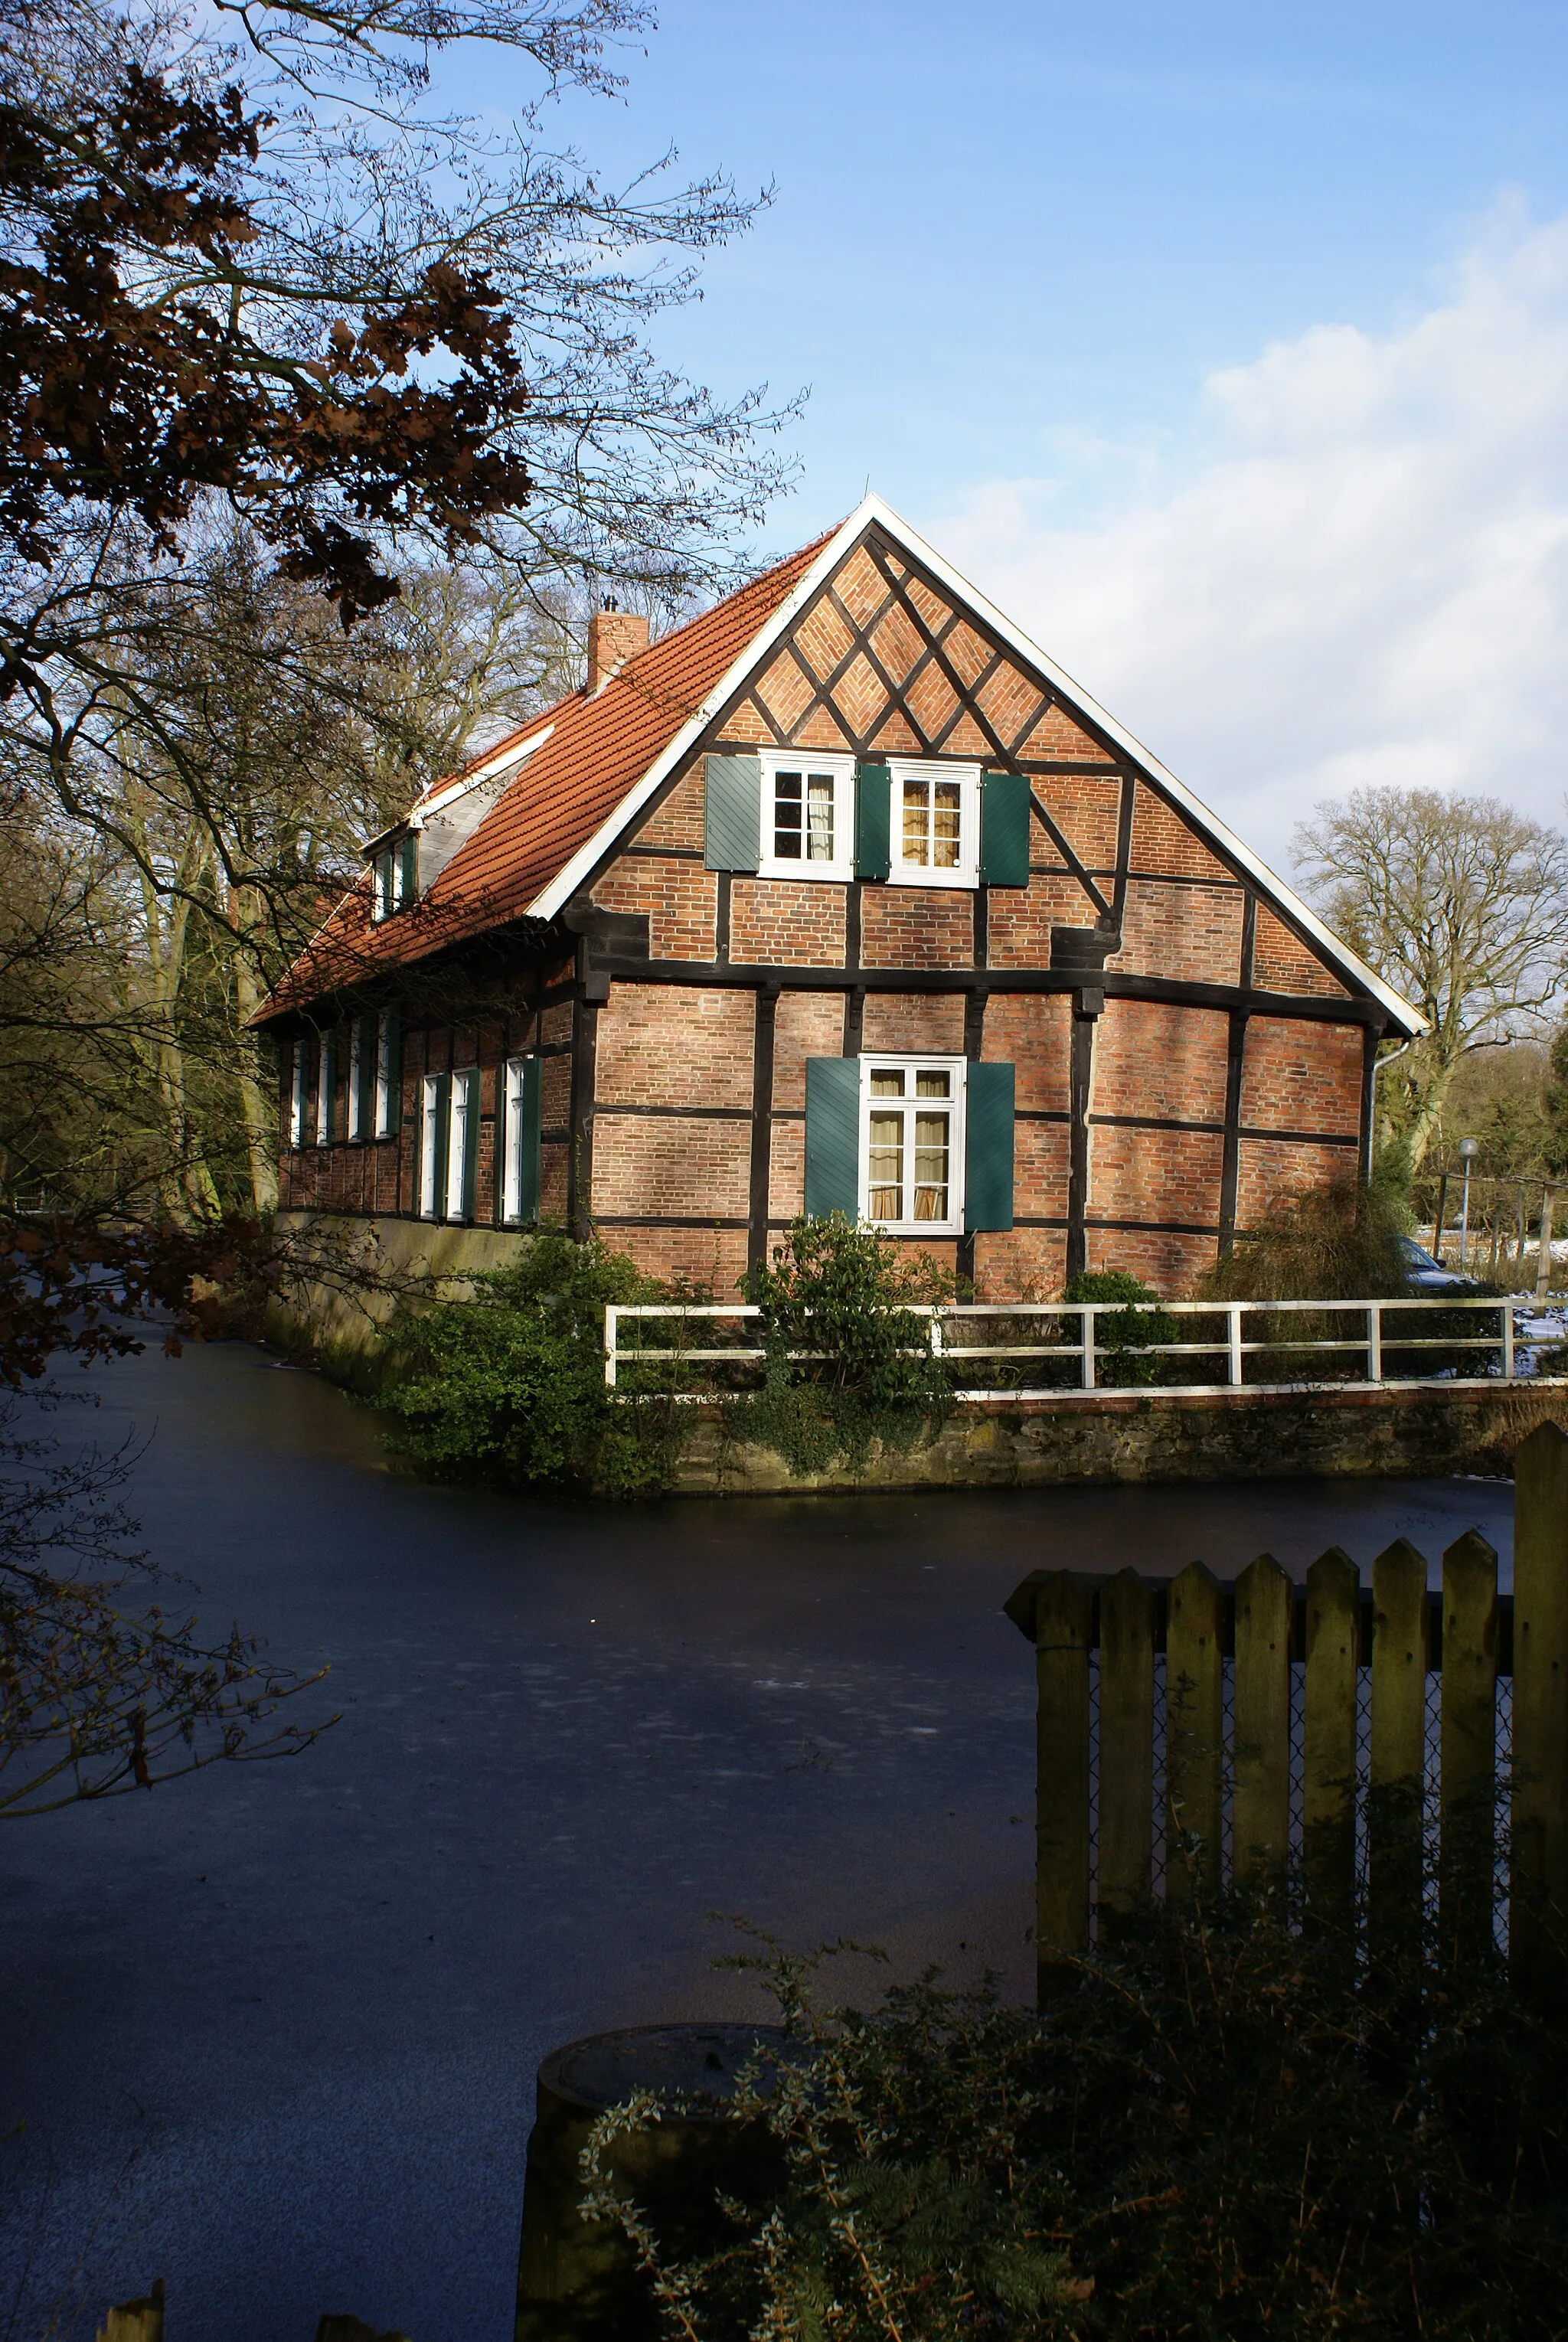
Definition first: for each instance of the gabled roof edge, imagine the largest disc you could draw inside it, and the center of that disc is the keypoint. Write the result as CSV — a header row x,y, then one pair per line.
x,y
1409,1019
874,507
566,881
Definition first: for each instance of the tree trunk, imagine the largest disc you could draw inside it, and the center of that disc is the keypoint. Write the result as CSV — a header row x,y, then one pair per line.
x,y
257,1111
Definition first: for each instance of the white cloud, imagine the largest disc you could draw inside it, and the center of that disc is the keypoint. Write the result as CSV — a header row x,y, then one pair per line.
x,y
1366,578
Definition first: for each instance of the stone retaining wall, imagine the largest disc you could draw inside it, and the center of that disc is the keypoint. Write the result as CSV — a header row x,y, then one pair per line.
x,y
1383,1434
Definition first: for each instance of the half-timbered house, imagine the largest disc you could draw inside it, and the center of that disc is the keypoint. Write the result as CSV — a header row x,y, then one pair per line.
x,y
841,897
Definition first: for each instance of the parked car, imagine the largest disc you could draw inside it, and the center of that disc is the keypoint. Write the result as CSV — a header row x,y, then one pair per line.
x,y
1428,1275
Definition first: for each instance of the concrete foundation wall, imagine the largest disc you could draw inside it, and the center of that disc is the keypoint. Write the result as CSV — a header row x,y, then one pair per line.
x,y
367,1265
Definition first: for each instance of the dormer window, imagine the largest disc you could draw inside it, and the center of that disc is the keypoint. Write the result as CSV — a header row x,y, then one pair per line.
x,y
395,875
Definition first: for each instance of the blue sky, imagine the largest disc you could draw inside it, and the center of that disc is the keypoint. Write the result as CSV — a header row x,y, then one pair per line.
x,y
1220,345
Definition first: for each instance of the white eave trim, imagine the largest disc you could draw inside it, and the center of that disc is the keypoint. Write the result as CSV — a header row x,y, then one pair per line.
x,y
508,758
872,508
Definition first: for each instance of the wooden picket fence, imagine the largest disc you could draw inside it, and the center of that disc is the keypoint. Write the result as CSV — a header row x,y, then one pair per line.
x,y
1290,1727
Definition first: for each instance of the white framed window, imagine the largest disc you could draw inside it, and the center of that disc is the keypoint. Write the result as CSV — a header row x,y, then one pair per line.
x,y
934,825
300,1077
356,1078
431,1161
394,877
912,1143
462,1143
324,1075
807,814
386,1088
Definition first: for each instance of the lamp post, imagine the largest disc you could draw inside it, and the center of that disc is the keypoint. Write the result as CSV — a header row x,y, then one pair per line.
x,y
1469,1149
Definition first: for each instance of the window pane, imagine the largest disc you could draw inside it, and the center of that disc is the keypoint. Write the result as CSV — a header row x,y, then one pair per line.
x,y
819,814
934,1084
944,826
886,1081
930,1166
886,1167
916,815
787,816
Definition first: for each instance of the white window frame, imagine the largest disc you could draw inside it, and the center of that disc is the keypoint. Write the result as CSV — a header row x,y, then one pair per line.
x,y
324,1088
385,1104
387,893
774,761
297,1094
463,1101
919,874
355,1064
429,1099
512,1145
896,1059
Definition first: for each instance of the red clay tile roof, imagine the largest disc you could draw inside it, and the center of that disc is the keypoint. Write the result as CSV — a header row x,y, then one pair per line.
x,y
597,751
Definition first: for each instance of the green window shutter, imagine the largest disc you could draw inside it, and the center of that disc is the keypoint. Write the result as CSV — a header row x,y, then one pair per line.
x,y
470,1170
833,1137
533,1118
328,1067
1005,829
409,850
988,1148
873,821
733,812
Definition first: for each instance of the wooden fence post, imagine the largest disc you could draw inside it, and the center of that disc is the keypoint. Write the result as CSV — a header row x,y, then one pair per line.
x,y
1397,1757
1194,1733
1260,1811
1126,1742
1064,1621
1468,1766
1328,1733
1538,1904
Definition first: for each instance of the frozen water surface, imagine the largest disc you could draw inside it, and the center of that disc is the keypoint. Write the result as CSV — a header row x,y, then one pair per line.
x,y
272,2032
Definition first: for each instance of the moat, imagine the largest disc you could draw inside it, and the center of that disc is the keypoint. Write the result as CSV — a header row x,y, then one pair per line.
x,y
272,2032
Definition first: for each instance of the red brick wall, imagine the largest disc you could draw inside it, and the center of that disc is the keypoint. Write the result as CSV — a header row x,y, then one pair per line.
x,y
1280,964
1020,1265
1272,1169
1301,1076
805,1024
664,1044
1172,1265
672,1165
1191,934
1033,1031
786,923
916,926
1154,1175
1166,1062
913,1021
681,901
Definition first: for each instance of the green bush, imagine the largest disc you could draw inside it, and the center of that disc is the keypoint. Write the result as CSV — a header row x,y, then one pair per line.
x,y
510,1384
849,1295
1122,1336
1222,2128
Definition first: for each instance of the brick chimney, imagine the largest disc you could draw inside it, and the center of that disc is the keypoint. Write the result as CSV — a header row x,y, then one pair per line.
x,y
614,636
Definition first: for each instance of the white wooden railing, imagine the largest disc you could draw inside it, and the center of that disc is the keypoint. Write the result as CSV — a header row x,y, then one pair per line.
x,y
1520,1330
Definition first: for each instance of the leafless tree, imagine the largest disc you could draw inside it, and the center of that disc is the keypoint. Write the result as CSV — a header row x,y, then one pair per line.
x,y
1462,904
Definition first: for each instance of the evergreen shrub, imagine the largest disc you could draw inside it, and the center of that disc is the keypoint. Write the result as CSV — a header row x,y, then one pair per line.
x,y
1123,1334
509,1384
847,1358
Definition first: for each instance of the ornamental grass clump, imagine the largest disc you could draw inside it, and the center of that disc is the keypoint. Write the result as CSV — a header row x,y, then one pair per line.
x,y
508,1384
847,1355
1224,2128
